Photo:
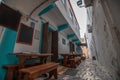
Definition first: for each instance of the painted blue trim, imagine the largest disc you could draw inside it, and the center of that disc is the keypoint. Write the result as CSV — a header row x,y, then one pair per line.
x,y
62,27
41,32
78,42
6,50
51,28
47,9
70,35
74,40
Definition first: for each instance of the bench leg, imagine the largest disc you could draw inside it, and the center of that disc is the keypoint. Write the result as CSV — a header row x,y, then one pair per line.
x,y
72,64
9,75
19,76
28,77
55,73
50,74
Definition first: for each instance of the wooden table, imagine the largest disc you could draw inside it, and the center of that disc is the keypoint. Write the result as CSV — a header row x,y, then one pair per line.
x,y
65,59
68,56
25,56
74,55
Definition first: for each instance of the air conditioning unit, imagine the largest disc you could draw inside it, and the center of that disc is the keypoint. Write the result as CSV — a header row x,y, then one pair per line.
x,y
88,3
79,2
89,27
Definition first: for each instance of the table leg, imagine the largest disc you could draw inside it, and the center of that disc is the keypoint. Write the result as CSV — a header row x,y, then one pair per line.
x,y
55,73
9,75
43,60
21,62
65,61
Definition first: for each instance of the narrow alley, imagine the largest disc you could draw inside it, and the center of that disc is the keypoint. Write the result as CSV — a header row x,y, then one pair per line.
x,y
87,70
59,40
91,70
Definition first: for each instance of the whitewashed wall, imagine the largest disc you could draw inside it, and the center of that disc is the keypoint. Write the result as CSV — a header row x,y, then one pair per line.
x,y
104,33
65,13
61,47
35,44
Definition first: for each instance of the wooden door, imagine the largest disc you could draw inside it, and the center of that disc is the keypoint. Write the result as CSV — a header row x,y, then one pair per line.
x,y
45,38
71,47
54,47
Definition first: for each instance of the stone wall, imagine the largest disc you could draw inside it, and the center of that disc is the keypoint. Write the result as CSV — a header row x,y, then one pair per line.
x,y
106,35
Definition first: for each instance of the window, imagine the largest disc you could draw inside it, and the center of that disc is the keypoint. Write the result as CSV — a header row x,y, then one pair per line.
x,y
25,34
64,41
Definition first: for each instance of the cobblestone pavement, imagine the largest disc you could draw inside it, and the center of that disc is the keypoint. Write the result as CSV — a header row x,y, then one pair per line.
x,y
87,70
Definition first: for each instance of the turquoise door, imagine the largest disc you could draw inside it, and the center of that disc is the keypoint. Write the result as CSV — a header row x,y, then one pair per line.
x,y
6,49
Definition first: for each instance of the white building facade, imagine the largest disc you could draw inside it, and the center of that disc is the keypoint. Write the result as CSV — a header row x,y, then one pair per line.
x,y
53,25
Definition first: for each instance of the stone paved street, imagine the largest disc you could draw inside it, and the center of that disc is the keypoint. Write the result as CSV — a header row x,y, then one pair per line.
x,y
87,70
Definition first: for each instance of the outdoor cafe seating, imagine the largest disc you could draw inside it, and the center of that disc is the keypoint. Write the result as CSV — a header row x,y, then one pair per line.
x,y
71,60
33,70
33,65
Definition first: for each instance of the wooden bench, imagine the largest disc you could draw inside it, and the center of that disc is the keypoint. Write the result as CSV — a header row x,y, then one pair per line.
x,y
31,73
74,62
13,69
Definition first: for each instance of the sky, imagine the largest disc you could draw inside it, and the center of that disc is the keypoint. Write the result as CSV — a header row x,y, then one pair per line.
x,y
81,16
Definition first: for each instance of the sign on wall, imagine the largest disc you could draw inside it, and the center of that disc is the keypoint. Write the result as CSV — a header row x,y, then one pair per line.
x,y
37,34
32,24
64,41
79,2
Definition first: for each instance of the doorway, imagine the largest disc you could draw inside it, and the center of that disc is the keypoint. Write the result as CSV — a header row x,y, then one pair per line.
x,y
50,42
